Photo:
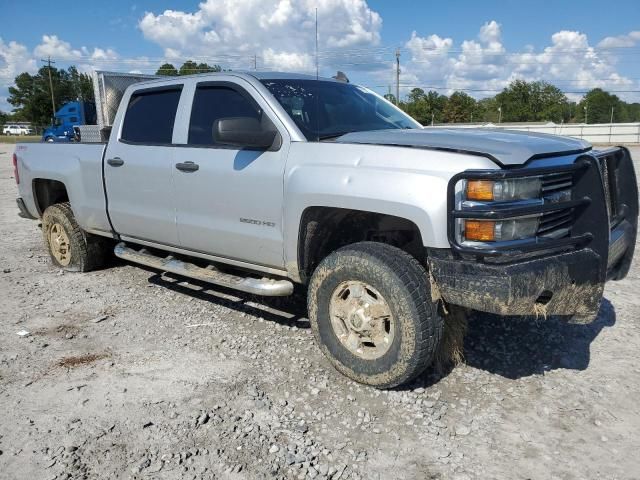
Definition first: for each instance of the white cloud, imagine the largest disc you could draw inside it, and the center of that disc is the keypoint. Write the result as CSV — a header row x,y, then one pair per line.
x,y
287,61
621,41
280,32
483,65
15,58
104,55
58,49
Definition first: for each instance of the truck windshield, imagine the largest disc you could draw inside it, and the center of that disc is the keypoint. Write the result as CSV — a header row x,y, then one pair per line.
x,y
323,110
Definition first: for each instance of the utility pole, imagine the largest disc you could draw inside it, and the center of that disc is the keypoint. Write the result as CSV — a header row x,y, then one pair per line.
x,y
500,114
317,64
53,102
255,61
397,76
611,115
585,113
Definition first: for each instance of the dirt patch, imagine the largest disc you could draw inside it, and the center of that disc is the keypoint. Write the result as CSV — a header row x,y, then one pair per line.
x,y
79,360
65,330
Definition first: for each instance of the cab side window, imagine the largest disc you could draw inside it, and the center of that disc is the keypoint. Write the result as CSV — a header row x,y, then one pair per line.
x,y
150,116
211,103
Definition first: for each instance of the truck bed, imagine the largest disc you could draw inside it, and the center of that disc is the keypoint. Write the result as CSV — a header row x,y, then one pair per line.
x,y
78,166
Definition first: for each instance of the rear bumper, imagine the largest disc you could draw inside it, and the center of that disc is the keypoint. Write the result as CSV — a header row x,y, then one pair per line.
x,y
23,211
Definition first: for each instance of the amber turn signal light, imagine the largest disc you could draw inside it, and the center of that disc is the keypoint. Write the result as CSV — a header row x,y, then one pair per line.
x,y
479,190
479,230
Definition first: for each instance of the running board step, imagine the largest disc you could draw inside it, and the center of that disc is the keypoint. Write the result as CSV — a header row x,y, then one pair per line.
x,y
259,286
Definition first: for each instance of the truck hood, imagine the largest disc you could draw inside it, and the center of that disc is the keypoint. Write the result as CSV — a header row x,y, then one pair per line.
x,y
505,147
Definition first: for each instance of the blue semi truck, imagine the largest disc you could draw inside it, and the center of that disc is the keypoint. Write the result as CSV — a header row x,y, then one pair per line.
x,y
70,116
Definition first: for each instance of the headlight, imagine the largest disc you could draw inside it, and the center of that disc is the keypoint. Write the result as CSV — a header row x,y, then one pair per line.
x,y
503,190
499,230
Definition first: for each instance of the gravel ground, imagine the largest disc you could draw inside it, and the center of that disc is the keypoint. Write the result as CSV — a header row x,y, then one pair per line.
x,y
127,373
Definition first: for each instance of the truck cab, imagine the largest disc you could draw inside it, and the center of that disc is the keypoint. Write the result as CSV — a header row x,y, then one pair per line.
x,y
67,119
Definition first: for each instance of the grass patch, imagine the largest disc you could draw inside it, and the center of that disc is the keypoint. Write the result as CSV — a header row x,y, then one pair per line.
x,y
13,139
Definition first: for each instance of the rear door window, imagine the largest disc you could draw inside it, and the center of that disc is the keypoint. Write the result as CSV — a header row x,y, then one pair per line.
x,y
150,116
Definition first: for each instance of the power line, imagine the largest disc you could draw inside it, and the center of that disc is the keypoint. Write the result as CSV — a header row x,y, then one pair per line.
x,y
53,102
397,76
433,87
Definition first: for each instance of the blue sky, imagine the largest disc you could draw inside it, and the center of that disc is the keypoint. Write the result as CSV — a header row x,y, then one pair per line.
x,y
475,46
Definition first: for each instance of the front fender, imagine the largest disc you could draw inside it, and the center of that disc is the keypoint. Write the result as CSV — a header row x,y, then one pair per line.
x,y
403,182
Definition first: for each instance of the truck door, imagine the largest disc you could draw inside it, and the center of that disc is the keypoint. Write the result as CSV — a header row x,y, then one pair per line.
x,y
139,166
229,199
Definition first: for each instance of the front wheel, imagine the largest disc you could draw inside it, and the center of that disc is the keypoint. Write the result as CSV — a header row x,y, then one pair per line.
x,y
70,247
372,314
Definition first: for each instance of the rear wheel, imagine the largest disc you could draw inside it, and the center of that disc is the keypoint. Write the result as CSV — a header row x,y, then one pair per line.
x,y
371,313
70,247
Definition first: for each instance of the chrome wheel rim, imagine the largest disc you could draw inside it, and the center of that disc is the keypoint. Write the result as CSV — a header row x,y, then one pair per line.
x,y
59,244
361,319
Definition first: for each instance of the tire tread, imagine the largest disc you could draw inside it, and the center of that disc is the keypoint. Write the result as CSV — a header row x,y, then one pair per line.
x,y
410,272
91,250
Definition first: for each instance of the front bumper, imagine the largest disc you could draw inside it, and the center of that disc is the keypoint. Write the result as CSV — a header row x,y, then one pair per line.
x,y
568,283
561,277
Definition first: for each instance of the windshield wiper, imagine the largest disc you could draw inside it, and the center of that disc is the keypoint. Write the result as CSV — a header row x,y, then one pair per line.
x,y
331,135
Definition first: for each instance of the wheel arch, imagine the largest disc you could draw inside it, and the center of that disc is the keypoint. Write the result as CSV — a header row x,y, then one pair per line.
x,y
47,192
324,229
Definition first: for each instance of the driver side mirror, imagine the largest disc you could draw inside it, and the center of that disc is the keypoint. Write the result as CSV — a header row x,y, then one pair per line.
x,y
243,132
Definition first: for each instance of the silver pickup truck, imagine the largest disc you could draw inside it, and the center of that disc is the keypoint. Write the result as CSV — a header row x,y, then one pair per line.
x,y
259,181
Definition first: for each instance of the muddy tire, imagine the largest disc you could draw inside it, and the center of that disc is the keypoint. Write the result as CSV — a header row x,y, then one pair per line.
x,y
70,247
372,315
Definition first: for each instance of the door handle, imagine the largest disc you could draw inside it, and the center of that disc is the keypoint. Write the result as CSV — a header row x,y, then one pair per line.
x,y
187,166
115,162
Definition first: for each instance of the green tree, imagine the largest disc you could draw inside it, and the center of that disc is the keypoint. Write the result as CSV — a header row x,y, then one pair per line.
x,y
459,108
82,85
31,95
486,110
391,97
416,106
187,68
633,112
425,107
167,69
549,103
4,117
598,104
525,101
190,67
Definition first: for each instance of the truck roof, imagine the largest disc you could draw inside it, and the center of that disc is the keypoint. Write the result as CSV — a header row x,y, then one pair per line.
x,y
258,75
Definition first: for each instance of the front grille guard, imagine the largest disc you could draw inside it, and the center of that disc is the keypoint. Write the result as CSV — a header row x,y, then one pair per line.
x,y
590,202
